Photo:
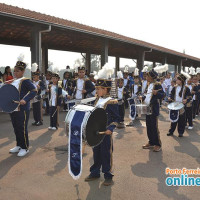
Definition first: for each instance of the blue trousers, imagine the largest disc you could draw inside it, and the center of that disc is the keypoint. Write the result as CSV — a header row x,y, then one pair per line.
x,y
37,111
102,155
181,125
20,121
122,112
53,116
152,130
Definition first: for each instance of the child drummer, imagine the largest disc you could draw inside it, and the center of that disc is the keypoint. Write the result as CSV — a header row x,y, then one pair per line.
x,y
55,98
20,116
102,154
122,93
154,93
180,93
37,107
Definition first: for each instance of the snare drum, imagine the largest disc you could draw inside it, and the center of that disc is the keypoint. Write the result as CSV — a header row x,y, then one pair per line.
x,y
94,121
143,109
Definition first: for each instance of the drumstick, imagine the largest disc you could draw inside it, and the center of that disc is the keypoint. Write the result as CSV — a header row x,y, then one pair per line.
x,y
18,102
100,133
54,112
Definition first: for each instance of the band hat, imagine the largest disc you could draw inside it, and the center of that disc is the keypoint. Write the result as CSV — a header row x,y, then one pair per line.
x,y
34,68
183,76
145,69
20,64
187,69
35,73
81,68
119,75
136,72
103,76
54,70
192,71
198,70
126,69
161,68
153,74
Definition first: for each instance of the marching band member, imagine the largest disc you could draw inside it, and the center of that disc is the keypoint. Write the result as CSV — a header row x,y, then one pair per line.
x,y
180,93
55,98
196,95
37,105
126,83
173,83
67,86
154,93
46,99
188,106
122,92
136,88
144,83
81,85
91,77
135,91
20,116
102,153
164,87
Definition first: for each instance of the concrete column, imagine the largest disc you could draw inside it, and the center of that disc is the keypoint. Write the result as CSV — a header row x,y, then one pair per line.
x,y
36,47
179,65
116,65
140,60
175,68
104,54
44,59
88,62
164,60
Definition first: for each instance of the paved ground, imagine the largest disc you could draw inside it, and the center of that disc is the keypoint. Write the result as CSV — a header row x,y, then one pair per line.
x,y
139,174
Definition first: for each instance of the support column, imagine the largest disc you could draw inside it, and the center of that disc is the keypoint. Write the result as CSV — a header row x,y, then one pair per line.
x,y
88,62
140,60
179,65
164,60
44,59
175,68
36,47
104,54
116,65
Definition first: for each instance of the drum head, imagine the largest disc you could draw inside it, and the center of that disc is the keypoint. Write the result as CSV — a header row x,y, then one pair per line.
x,y
97,122
8,94
175,105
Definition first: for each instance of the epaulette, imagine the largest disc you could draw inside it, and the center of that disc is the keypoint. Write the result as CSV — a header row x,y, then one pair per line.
x,y
59,86
112,101
158,83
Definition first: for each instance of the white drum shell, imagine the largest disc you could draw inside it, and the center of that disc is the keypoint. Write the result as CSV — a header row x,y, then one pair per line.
x,y
143,109
85,108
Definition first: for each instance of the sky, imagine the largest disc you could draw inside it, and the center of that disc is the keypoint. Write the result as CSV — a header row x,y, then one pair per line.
x,y
173,24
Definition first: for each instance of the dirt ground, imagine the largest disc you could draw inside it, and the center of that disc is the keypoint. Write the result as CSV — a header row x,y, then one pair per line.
x,y
139,174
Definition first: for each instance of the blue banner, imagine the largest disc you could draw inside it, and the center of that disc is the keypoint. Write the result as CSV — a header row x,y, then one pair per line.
x,y
75,145
174,115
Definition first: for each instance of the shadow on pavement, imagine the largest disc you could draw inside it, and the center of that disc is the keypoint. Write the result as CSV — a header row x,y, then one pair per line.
x,y
155,168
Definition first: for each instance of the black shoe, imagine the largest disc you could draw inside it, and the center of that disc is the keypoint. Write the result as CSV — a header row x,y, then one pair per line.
x,y
108,181
39,123
91,178
169,134
34,123
180,135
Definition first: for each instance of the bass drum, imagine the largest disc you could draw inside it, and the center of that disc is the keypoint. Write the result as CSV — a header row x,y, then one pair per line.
x,y
94,121
9,98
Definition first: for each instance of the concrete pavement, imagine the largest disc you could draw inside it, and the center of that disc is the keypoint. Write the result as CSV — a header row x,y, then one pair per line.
x,y
139,174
